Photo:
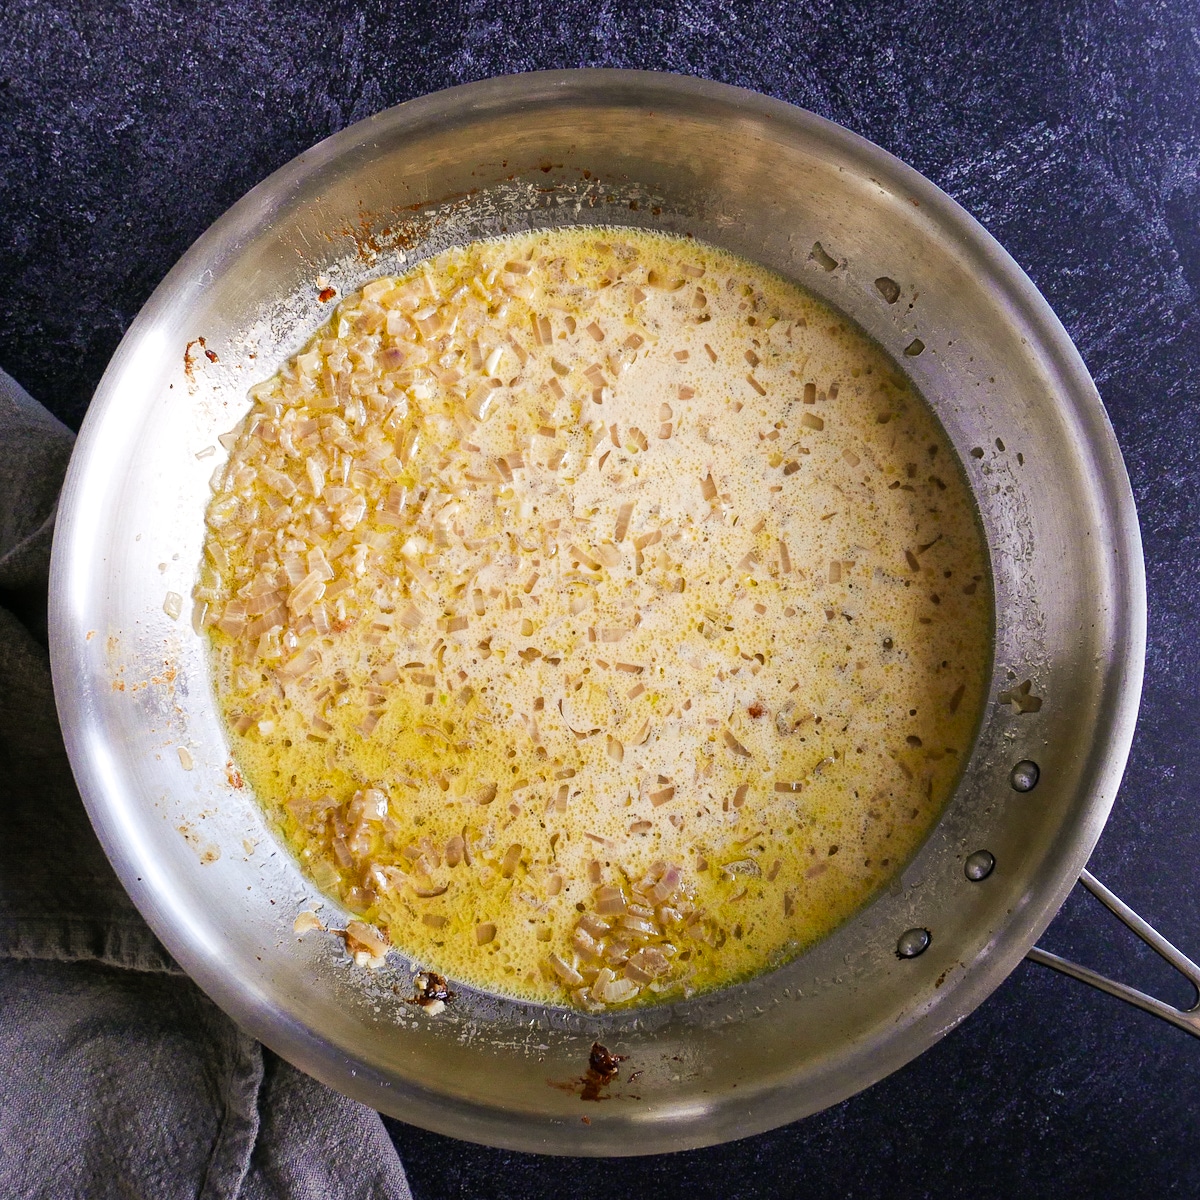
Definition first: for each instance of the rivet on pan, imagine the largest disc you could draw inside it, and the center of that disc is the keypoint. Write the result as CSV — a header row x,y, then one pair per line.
x,y
1024,776
979,865
913,942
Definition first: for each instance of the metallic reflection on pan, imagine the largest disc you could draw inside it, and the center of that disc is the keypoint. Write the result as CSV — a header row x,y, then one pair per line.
x,y
805,198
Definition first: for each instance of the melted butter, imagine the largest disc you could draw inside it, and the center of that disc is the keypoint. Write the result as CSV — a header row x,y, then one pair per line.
x,y
578,556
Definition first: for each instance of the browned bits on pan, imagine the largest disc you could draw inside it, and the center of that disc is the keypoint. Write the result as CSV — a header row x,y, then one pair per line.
x,y
432,992
604,1062
211,355
601,1071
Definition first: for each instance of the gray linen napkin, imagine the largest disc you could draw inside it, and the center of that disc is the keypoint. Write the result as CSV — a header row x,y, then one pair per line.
x,y
118,1076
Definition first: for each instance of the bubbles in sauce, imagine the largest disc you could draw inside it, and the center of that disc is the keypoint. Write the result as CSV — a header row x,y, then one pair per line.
x,y
598,615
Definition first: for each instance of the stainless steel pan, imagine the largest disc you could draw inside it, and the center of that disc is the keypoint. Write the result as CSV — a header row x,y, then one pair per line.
x,y
788,190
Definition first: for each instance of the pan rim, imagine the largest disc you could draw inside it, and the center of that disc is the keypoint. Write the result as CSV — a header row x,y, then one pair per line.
x,y
641,88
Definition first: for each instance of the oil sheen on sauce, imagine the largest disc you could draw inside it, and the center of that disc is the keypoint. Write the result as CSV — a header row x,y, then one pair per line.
x,y
598,615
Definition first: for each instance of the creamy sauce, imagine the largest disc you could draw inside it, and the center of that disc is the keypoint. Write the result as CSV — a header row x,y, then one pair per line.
x,y
597,614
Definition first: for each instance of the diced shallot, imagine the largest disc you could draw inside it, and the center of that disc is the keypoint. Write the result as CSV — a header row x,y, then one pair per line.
x,y
565,971
665,888
609,900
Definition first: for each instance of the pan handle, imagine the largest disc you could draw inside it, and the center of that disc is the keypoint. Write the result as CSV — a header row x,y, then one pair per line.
x,y
1188,1019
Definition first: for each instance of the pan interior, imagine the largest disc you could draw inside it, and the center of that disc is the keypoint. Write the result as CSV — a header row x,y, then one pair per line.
x,y
487,711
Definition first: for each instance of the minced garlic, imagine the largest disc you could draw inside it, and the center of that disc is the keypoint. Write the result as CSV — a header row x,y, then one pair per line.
x,y
597,615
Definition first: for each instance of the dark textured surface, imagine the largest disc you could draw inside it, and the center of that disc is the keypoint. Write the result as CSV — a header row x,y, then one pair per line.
x,y
1071,131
